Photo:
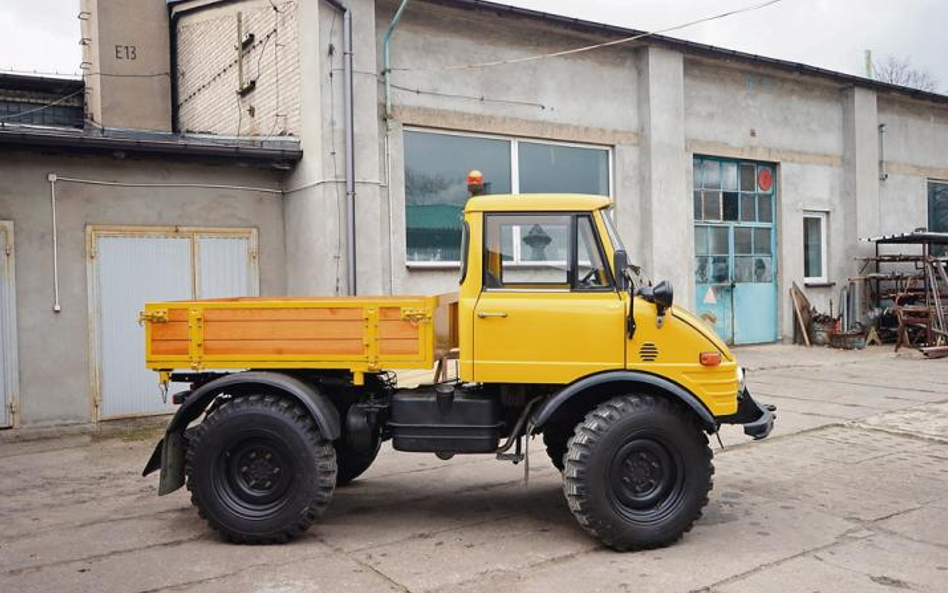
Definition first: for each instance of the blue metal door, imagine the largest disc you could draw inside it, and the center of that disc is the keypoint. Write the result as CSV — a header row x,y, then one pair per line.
x,y
735,259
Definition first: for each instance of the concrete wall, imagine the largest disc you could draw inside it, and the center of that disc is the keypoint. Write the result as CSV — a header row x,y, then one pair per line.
x,y
126,63
916,150
587,98
211,71
53,355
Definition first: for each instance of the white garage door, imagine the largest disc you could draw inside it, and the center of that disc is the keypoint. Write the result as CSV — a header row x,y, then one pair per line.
x,y
8,364
131,268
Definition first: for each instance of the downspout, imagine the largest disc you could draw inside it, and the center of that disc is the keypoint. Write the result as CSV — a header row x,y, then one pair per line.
x,y
387,77
347,101
173,70
386,57
55,232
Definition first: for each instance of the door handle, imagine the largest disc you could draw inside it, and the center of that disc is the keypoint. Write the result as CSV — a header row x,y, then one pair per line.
x,y
483,314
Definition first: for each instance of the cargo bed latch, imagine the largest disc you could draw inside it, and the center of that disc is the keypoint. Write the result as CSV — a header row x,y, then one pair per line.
x,y
154,316
415,315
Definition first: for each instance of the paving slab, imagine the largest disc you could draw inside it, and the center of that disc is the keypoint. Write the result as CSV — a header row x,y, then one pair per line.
x,y
850,493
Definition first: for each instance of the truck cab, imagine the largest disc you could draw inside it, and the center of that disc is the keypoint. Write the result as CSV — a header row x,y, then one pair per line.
x,y
553,334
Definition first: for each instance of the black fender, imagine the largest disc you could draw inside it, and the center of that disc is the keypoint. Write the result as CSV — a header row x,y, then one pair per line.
x,y
630,380
170,451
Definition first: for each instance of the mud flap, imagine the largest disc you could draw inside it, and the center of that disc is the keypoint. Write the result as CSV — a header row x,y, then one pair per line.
x,y
169,457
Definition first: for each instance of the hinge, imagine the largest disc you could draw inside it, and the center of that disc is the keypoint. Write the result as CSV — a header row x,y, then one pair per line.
x,y
155,316
416,315
8,249
253,254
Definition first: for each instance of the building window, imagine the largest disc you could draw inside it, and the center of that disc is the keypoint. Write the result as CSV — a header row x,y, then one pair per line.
x,y
814,248
938,206
436,167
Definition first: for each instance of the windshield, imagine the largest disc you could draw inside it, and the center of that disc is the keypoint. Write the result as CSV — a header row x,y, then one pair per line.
x,y
611,230
638,279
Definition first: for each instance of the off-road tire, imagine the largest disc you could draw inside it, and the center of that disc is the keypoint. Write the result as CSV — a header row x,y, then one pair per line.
x,y
258,469
638,472
556,437
352,463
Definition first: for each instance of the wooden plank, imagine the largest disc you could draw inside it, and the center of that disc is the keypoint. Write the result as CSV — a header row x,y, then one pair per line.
x,y
177,330
284,330
398,329
796,307
178,314
169,348
399,347
294,314
280,347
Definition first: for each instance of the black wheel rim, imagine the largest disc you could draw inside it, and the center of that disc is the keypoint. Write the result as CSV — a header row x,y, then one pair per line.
x,y
254,476
646,478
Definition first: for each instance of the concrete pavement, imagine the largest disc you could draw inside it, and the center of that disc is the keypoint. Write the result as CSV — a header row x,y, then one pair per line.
x,y
850,493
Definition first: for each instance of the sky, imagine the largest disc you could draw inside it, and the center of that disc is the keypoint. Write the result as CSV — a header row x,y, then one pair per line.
x,y
43,35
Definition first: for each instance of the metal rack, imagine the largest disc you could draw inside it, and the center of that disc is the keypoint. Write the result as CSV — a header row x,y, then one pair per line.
x,y
912,288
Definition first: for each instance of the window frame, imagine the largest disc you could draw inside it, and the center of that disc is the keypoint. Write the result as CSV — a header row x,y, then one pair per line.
x,y
572,255
514,143
822,216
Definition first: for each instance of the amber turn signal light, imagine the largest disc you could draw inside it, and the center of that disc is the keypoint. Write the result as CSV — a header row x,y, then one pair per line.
x,y
710,359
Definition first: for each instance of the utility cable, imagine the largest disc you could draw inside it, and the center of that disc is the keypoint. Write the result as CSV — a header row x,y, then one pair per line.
x,y
42,107
586,48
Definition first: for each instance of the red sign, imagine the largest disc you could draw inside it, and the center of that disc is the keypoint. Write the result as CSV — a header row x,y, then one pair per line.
x,y
765,179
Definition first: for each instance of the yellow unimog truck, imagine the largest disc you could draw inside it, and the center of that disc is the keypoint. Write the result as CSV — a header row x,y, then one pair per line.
x,y
550,335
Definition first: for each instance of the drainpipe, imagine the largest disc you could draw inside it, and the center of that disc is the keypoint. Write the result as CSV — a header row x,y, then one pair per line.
x,y
347,101
387,65
55,232
883,174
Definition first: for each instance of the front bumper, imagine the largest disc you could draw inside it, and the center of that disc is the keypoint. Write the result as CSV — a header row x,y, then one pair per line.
x,y
758,419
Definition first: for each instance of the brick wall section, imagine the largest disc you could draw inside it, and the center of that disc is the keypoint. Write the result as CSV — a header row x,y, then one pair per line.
x,y
208,71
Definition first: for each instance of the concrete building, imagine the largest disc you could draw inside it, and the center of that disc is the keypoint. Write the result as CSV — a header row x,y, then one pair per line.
x,y
733,175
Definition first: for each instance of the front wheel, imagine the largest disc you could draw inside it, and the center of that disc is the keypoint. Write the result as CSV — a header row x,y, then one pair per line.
x,y
258,469
638,472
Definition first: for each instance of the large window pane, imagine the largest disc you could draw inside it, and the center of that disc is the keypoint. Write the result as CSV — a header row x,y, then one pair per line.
x,y
938,207
813,247
436,167
938,213
550,168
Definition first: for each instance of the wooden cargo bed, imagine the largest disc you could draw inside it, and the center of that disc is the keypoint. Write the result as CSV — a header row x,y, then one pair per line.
x,y
359,334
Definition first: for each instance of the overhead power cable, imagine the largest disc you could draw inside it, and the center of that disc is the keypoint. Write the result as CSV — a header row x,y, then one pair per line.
x,y
585,48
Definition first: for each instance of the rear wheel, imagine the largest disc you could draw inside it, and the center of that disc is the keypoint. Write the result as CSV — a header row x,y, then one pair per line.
x,y
638,472
258,469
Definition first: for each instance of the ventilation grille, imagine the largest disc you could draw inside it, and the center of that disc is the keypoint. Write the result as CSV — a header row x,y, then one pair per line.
x,y
648,352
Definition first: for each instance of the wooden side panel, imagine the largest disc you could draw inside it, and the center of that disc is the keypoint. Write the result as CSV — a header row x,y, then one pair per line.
x,y
359,334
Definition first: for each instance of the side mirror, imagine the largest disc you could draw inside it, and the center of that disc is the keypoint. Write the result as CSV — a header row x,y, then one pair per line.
x,y
620,265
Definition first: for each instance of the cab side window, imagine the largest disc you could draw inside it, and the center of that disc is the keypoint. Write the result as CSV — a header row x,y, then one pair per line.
x,y
591,270
542,252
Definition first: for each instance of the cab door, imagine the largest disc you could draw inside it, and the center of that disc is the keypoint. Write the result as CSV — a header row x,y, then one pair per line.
x,y
548,311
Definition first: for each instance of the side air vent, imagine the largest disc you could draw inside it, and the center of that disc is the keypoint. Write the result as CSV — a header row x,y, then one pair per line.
x,y
648,352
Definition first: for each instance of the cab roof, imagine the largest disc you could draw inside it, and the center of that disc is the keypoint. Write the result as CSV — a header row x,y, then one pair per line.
x,y
537,203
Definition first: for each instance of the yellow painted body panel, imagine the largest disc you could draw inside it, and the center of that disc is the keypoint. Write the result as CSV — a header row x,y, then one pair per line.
x,y
558,337
532,337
